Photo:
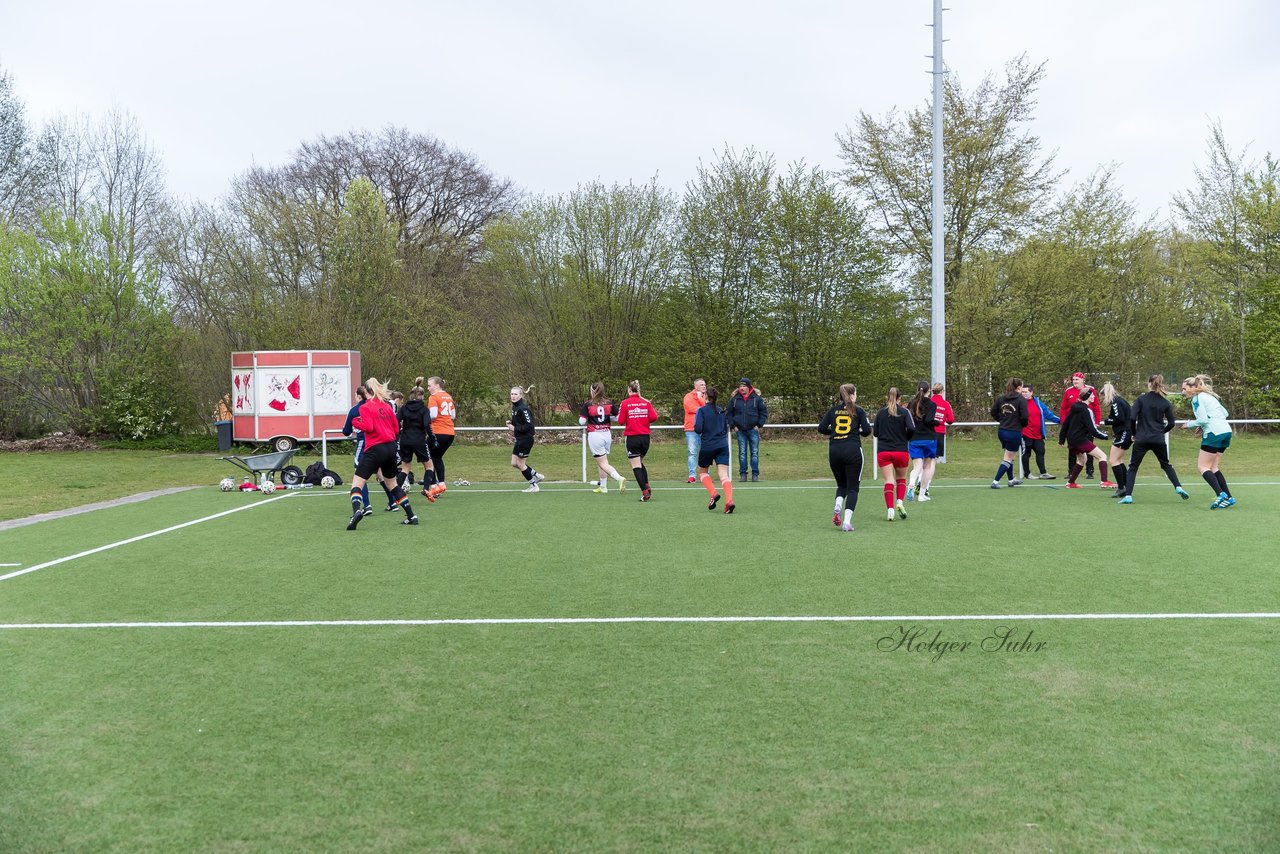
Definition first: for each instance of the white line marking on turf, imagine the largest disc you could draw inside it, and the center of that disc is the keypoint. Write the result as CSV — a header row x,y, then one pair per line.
x,y
10,564
558,621
140,537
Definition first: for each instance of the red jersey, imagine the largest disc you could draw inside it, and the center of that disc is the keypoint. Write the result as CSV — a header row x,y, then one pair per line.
x,y
1071,395
943,416
377,420
635,414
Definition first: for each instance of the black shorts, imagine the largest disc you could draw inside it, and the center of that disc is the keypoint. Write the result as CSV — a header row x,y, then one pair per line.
x,y
440,445
409,450
384,458
719,457
637,446
523,445
1123,440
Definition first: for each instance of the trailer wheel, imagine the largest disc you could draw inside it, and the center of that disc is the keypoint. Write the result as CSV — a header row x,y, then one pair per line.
x,y
283,443
290,475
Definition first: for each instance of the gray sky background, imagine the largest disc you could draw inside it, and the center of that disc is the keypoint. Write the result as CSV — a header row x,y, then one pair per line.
x,y
556,93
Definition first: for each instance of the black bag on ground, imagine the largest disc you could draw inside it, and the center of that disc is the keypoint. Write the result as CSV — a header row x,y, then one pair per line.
x,y
316,471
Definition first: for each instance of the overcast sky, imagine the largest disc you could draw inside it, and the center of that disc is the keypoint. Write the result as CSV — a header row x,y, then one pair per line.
x,y
553,94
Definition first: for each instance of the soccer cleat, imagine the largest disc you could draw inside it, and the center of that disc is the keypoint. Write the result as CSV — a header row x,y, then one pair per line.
x,y
646,495
846,527
692,479
1119,493
368,511
533,487
393,507
1182,493
1106,484
714,501
1015,482
1033,477
355,520
440,488
924,496
1230,502
1048,476
600,490
889,515
911,494
538,477
1128,499
901,508
835,519
429,495
995,484
622,486
412,520
1073,485
729,508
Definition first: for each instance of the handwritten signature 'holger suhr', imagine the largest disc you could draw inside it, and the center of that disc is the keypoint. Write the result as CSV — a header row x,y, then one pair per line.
x,y
918,640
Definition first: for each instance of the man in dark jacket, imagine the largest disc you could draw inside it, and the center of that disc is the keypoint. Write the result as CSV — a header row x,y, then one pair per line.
x,y
747,414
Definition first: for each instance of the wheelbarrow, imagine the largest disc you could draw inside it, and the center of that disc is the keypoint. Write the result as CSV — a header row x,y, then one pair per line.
x,y
269,464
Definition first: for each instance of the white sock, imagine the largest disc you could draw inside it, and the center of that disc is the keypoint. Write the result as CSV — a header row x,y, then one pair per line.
x,y
839,505
848,517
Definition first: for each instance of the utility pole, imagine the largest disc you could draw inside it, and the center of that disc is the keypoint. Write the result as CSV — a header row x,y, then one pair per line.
x,y
938,338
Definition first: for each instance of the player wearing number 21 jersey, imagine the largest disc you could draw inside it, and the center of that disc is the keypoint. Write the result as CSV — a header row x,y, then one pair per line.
x,y
845,423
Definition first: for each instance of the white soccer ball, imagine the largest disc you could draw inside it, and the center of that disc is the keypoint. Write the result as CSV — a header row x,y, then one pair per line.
x,y
268,487
227,484
328,482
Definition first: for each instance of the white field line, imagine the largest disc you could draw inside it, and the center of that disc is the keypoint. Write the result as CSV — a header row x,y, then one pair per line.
x,y
140,537
560,621
10,564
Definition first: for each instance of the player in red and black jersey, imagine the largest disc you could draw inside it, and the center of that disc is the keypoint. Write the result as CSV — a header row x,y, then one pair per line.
x,y
596,415
844,423
635,414
377,420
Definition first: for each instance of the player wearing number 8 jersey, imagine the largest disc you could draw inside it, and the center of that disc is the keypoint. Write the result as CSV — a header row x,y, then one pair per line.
x,y
845,423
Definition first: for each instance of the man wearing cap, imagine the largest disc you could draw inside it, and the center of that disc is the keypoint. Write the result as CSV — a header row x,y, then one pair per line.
x,y
1070,396
747,414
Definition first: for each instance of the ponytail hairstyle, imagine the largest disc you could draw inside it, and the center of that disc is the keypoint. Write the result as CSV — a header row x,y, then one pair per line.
x,y
849,396
1012,385
938,388
362,392
712,394
521,391
1155,383
1199,384
1108,394
378,389
922,391
634,386
417,392
597,393
891,401
436,381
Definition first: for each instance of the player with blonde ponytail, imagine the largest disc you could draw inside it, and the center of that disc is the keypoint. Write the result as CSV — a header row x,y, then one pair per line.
x,y
377,420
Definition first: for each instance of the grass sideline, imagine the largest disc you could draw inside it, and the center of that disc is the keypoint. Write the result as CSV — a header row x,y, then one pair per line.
x,y
1146,735
60,480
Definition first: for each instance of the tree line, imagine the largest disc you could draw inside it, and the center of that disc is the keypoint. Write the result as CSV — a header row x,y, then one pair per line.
x,y
119,306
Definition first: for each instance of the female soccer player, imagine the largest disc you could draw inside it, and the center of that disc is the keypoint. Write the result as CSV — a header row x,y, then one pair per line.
x,y
415,434
1010,411
1077,433
893,429
1211,423
844,423
1119,416
521,427
923,448
712,426
378,422
596,415
443,412
1152,418
635,414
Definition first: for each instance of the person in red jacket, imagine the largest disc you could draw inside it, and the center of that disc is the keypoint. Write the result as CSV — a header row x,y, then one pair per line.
x,y
635,414
377,420
1070,396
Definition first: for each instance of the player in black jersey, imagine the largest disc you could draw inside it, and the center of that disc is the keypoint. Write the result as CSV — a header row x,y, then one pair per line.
x,y
844,423
1151,417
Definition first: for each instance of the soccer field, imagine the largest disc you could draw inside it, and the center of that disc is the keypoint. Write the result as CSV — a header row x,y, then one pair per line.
x,y
1025,669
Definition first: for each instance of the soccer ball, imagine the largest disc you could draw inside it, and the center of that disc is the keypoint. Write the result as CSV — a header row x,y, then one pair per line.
x,y
226,484
327,482
268,487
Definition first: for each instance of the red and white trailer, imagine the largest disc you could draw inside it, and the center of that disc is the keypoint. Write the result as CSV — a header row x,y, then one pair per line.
x,y
284,397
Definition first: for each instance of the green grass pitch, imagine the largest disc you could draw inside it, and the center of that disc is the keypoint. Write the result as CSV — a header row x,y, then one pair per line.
x,y
914,733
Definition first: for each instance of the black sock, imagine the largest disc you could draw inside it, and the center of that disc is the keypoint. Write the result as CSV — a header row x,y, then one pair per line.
x,y
527,471
1222,483
1211,478
642,477
401,478
387,490
1119,474
357,501
428,479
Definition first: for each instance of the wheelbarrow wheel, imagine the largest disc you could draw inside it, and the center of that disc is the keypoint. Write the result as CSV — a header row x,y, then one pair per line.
x,y
291,475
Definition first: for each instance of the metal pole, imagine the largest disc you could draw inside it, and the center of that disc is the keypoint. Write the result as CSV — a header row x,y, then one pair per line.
x,y
938,340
